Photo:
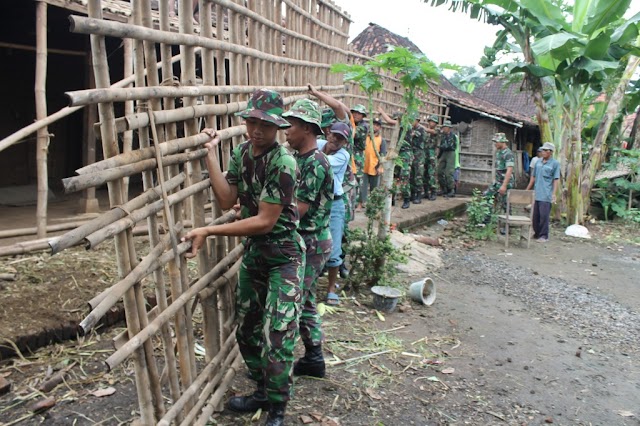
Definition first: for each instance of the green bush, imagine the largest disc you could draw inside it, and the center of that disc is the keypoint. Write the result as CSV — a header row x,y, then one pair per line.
x,y
481,220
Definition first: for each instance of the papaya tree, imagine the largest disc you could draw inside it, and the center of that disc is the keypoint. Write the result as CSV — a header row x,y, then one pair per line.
x,y
575,50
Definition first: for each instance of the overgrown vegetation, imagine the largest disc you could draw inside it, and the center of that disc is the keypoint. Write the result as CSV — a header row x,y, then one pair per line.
x,y
373,259
479,209
620,196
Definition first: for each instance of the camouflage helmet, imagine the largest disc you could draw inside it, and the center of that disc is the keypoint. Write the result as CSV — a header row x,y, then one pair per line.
x,y
499,138
433,118
447,123
266,105
360,108
328,117
307,111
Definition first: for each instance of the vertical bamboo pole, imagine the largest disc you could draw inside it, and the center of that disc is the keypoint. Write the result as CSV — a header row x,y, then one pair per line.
x,y
41,112
110,148
211,318
127,136
89,202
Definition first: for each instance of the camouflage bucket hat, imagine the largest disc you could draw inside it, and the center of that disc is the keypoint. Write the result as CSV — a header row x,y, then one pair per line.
x,y
360,108
447,123
266,105
307,111
499,138
433,118
328,117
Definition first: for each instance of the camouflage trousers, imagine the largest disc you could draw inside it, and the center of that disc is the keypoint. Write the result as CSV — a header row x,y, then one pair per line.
x,y
492,193
430,168
318,253
402,174
267,308
446,167
417,172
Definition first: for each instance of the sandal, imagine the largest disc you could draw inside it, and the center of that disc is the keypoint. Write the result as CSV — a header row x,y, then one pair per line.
x,y
333,299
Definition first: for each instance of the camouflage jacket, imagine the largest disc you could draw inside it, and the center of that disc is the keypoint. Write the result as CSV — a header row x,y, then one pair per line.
x,y
270,177
360,138
448,142
418,139
504,160
316,190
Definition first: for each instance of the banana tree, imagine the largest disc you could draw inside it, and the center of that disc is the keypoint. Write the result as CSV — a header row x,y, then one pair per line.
x,y
576,49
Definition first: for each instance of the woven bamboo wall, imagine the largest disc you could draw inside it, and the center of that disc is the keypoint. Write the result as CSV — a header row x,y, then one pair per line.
x,y
283,44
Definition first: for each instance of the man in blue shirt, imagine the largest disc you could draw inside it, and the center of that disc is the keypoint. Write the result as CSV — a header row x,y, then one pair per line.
x,y
544,180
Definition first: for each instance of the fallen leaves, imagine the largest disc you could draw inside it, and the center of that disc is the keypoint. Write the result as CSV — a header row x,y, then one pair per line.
x,y
103,392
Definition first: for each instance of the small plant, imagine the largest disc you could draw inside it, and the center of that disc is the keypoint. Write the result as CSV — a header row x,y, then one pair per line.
x,y
373,259
481,220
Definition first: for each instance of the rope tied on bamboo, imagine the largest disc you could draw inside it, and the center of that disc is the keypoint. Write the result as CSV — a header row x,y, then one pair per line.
x,y
173,81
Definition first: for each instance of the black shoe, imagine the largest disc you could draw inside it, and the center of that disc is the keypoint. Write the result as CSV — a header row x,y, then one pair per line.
x,y
248,404
344,272
276,414
406,203
311,364
450,194
417,199
432,196
440,193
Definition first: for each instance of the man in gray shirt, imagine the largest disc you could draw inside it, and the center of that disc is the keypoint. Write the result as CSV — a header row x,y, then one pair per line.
x,y
544,180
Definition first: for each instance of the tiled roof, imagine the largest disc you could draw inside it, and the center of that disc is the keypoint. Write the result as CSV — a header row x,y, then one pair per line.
x,y
511,95
374,40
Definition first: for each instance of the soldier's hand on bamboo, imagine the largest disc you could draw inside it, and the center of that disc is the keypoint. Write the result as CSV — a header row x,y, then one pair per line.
x,y
213,143
236,207
312,90
197,237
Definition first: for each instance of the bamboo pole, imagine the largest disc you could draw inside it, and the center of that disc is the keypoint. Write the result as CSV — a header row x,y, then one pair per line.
x,y
72,238
22,232
110,148
41,112
127,137
18,136
138,339
82,25
217,396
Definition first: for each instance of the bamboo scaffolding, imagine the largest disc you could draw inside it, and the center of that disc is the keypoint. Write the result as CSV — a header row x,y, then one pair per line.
x,y
110,148
82,25
41,112
229,350
217,396
18,136
139,338
73,237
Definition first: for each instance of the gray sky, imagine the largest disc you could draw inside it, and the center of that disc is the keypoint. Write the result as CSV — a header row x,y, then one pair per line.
x,y
442,35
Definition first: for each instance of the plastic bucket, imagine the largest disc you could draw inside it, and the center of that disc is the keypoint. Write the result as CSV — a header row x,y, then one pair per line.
x,y
423,291
385,298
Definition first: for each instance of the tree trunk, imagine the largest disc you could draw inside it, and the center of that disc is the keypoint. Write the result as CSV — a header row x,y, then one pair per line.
x,y
574,200
41,113
600,142
387,181
634,138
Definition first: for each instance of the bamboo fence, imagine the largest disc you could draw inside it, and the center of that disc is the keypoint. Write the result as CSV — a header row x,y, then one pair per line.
x,y
241,45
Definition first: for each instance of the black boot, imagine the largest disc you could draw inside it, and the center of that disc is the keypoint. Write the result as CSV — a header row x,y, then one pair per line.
x,y
276,414
249,403
311,364
417,199
406,204
432,196
451,194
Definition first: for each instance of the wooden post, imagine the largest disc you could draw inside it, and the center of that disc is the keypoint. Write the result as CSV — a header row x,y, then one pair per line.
x,y
127,137
41,112
89,202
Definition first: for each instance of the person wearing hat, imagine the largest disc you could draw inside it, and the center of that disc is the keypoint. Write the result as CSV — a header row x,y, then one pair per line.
x,y
429,183
263,176
339,158
359,112
504,164
534,160
544,180
401,172
418,145
372,168
315,196
447,159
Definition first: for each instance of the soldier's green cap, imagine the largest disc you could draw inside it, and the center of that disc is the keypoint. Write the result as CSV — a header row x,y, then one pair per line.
x,y
360,108
447,123
266,105
499,138
328,118
307,111
433,118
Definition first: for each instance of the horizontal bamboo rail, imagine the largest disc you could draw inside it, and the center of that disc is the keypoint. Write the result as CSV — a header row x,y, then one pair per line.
x,y
82,25
154,326
74,237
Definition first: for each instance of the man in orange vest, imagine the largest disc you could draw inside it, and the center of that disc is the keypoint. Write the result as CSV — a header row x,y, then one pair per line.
x,y
372,169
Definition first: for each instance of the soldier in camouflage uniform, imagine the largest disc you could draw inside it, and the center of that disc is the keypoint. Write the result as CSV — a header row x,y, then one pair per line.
x,y
447,159
315,196
263,176
402,170
505,162
418,143
359,112
429,182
